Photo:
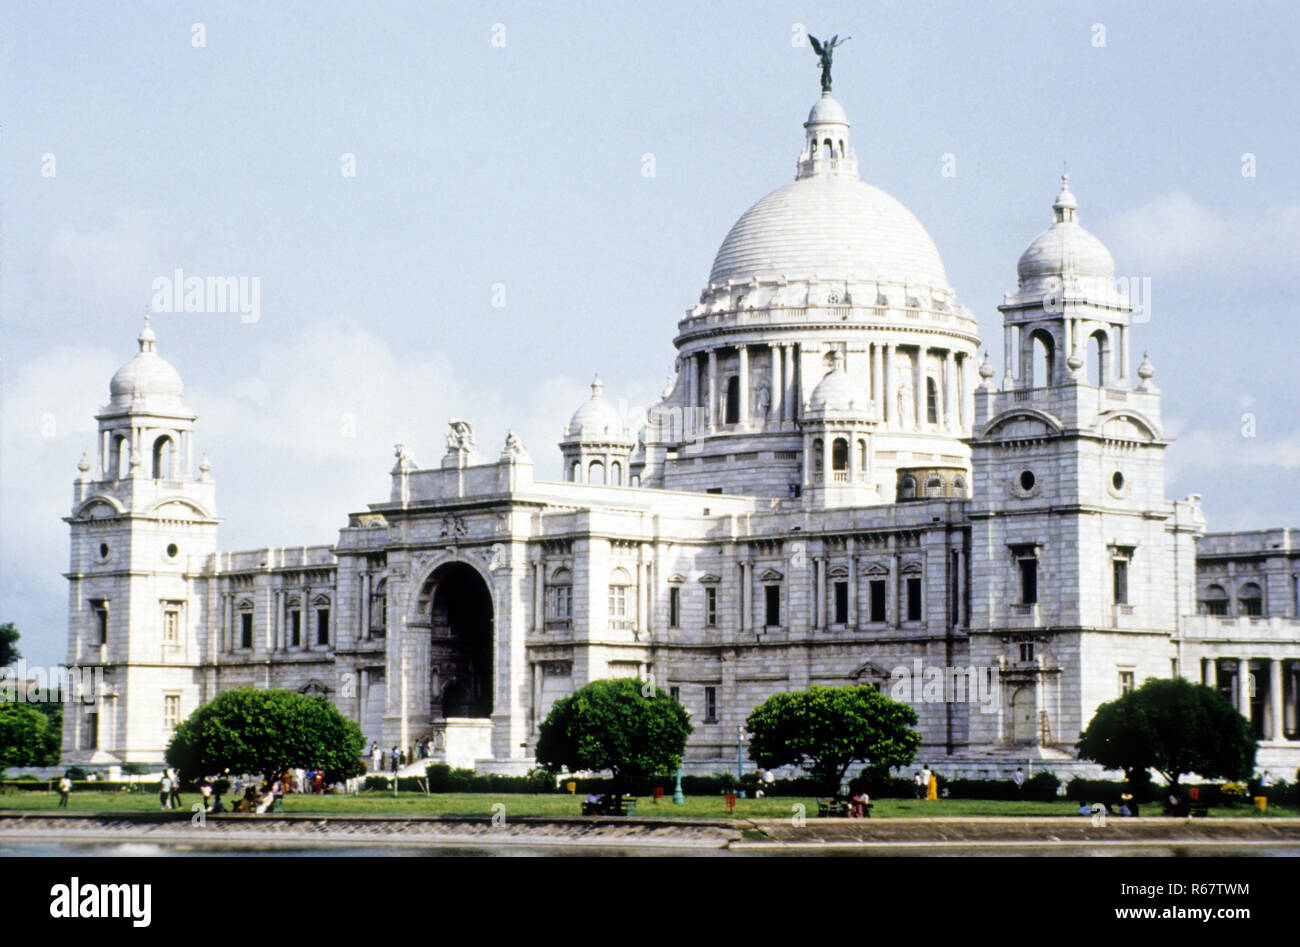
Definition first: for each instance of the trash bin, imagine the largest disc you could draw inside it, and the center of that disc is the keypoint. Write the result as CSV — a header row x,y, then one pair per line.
x,y
1261,803
731,802
572,787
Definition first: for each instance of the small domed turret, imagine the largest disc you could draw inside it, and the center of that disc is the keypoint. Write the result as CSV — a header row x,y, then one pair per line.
x,y
1064,249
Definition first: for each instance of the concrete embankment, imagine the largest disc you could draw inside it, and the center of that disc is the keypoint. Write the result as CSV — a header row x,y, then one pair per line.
x,y
968,835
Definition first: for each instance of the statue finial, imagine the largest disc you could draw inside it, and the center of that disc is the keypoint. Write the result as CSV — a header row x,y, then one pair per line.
x,y
825,51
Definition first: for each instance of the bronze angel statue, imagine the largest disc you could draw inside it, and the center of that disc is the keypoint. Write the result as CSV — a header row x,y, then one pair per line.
x,y
824,52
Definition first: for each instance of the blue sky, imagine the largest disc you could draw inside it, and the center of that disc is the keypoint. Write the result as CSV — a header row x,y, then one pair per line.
x,y
521,164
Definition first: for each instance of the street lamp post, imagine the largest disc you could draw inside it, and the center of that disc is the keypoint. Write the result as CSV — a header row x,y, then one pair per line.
x,y
679,797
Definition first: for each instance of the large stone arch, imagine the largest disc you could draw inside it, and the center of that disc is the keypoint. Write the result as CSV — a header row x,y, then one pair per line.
x,y
455,607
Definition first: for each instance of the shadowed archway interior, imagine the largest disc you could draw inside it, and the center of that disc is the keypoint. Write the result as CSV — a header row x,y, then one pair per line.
x,y
460,645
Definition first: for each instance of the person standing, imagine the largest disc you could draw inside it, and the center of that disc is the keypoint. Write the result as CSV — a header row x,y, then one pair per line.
x,y
174,800
65,787
396,759
918,785
1019,779
165,790
931,784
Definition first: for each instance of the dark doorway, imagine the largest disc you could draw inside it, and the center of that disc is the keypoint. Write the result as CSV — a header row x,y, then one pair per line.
x,y
460,647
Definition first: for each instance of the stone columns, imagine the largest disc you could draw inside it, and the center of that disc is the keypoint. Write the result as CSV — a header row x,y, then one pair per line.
x,y
742,369
776,407
890,414
1123,356
1243,687
853,588
711,406
950,390
877,379
819,593
539,583
692,381
787,393
1212,673
746,605
1008,357
919,387
1275,685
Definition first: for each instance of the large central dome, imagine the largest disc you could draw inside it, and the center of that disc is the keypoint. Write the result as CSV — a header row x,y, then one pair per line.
x,y
832,227
829,224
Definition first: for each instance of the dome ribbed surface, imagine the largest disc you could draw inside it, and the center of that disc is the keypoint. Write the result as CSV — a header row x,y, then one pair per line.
x,y
833,227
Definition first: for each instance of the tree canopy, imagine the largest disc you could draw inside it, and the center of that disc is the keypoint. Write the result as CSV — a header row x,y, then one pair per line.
x,y
266,731
612,725
1174,727
27,736
9,652
824,730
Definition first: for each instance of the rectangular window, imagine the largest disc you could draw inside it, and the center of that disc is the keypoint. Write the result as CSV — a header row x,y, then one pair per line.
x,y
1026,651
323,626
710,705
674,607
100,607
841,603
711,606
1028,581
90,737
246,629
1219,607
913,599
1253,607
559,602
1125,682
878,589
675,693
171,626
295,628
772,603
171,711
618,601
1120,573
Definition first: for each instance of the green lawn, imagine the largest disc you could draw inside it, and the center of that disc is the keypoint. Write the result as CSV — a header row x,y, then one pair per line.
x,y
700,807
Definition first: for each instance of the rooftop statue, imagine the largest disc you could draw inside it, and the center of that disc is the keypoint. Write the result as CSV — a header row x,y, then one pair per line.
x,y
825,51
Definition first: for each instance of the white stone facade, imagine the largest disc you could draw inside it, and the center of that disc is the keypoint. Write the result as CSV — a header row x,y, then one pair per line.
x,y
832,491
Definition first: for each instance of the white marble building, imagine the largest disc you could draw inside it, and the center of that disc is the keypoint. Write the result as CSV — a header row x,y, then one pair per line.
x,y
835,486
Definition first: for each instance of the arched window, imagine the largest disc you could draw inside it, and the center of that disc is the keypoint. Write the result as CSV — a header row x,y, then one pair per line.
x,y
907,488
575,472
162,458
733,400
616,474
828,150
559,596
840,454
1215,601
934,486
596,473
379,609
817,456
842,152
1250,600
959,486
862,459
1042,363
1099,359
120,458
931,401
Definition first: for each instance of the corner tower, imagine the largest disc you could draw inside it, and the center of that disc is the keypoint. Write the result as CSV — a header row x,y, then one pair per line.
x,y
143,526
1082,567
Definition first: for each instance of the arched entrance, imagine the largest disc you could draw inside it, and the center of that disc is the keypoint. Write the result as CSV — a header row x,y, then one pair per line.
x,y
1024,716
459,607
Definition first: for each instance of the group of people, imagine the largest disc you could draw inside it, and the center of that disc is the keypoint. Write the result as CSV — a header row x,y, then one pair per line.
x,y
169,790
925,784
399,756
1127,807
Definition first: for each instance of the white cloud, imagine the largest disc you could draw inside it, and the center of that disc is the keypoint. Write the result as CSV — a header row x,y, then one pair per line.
x,y
1176,234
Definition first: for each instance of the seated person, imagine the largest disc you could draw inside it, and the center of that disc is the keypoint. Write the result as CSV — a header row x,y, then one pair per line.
x,y
1122,810
861,803
1084,809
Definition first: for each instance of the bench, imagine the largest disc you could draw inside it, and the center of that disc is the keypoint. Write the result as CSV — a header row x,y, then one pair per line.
x,y
832,808
611,805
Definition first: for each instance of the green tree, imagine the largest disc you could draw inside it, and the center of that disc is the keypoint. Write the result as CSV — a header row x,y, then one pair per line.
x,y
613,725
266,731
26,736
8,644
1174,727
825,730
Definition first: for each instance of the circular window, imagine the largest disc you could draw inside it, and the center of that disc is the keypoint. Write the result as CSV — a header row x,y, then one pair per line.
x,y
172,550
1117,480
1027,480
103,550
